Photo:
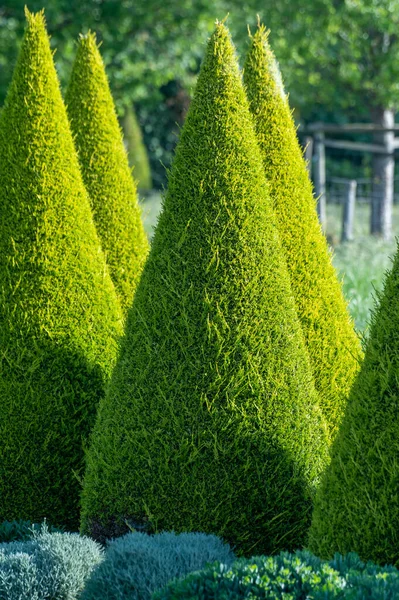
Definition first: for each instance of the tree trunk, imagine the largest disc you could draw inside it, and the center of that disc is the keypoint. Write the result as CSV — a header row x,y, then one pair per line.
x,y
383,176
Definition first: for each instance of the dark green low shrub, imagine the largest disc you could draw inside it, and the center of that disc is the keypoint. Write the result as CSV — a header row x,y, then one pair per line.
x,y
13,531
50,566
138,564
299,576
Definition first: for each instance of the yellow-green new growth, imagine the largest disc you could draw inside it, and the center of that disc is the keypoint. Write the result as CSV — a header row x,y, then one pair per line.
x,y
59,314
357,509
333,346
106,170
211,422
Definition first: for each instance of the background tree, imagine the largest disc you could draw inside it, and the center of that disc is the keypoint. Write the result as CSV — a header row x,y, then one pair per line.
x,y
136,150
142,55
340,55
339,59
105,169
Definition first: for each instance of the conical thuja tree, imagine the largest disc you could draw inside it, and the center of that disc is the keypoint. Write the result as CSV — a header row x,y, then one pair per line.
x,y
137,152
332,343
105,169
357,508
59,314
211,422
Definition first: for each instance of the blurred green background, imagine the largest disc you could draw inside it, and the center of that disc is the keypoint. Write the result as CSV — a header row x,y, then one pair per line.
x,y
339,60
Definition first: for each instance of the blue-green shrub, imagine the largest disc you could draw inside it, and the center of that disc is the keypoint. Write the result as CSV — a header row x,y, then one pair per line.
x,y
19,577
50,566
12,531
138,564
299,576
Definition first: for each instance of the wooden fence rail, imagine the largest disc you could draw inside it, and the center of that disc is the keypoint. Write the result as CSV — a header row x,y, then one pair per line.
x,y
315,142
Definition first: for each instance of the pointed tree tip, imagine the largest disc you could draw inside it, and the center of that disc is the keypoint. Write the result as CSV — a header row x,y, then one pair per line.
x,y
87,44
37,18
262,32
88,38
221,32
222,21
221,27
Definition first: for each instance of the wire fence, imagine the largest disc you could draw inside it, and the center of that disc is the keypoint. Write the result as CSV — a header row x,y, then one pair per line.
x,y
336,190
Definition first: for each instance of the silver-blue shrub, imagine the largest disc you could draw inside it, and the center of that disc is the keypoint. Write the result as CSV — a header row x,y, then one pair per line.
x,y
50,566
137,564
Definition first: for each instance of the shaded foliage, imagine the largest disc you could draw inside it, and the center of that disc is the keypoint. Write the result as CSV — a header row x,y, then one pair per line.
x,y
358,505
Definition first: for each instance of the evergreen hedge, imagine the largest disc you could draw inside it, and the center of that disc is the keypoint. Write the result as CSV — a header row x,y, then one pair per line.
x,y
358,505
59,314
211,422
105,169
136,150
333,346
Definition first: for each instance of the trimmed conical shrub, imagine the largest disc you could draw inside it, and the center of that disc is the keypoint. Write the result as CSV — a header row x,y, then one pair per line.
x,y
136,150
59,314
105,169
211,422
332,343
357,508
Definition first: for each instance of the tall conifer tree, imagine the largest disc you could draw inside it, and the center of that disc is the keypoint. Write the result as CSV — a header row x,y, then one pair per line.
x,y
59,314
105,169
357,508
332,343
211,422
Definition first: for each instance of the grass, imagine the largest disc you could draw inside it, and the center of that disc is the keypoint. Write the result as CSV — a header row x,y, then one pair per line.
x,y
361,264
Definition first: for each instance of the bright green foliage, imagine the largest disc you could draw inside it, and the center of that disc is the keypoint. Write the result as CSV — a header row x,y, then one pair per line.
x,y
105,169
296,576
137,152
211,422
59,314
264,577
358,505
333,346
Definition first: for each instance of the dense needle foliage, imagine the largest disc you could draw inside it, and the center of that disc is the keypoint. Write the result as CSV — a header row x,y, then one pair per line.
x,y
211,422
332,343
105,169
59,314
358,505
